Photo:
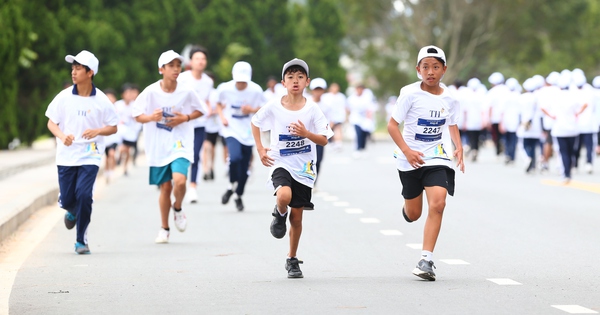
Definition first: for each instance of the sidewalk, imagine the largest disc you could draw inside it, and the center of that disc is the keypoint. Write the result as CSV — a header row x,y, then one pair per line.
x,y
28,182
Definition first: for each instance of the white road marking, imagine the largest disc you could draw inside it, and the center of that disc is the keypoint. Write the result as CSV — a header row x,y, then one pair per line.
x,y
354,210
574,309
454,261
415,245
390,232
504,281
330,198
80,265
341,204
369,220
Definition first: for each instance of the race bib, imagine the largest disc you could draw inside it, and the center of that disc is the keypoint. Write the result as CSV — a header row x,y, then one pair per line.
x,y
162,124
429,130
236,112
290,145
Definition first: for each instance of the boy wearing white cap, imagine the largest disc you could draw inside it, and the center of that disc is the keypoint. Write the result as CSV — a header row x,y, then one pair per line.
x,y
495,103
317,87
167,109
297,125
238,100
426,108
78,117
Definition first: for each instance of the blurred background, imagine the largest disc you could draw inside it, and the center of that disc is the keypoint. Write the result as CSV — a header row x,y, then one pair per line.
x,y
371,42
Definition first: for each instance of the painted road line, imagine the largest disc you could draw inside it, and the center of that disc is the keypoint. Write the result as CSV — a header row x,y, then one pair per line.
x,y
390,232
504,281
354,210
369,220
454,261
591,187
574,309
415,245
341,204
330,198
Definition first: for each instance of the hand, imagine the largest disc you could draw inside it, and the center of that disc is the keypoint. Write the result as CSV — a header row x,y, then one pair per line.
x,y
265,159
156,115
90,134
177,120
298,129
224,121
247,109
67,140
458,154
414,158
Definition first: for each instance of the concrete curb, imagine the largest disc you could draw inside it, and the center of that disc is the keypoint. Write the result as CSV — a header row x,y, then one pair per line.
x,y
19,216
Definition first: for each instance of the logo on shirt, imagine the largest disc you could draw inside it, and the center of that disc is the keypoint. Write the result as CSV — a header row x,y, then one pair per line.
x,y
92,150
178,145
83,113
308,170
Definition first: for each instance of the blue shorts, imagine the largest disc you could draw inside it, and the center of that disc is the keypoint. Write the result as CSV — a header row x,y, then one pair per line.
x,y
163,174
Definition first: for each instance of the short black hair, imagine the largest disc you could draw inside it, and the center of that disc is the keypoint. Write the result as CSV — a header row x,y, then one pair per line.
x,y
294,69
110,91
271,77
458,83
87,69
129,86
198,48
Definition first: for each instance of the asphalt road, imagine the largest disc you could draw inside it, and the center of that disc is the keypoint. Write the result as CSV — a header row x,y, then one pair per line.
x,y
510,244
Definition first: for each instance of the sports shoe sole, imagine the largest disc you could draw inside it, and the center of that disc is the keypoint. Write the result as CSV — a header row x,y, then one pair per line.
x,y
423,275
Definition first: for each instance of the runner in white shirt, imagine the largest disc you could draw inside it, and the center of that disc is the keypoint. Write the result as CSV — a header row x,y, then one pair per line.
x,y
596,100
495,101
202,84
78,117
530,128
472,104
111,142
509,122
128,127
238,100
213,127
361,106
297,125
338,114
167,110
586,121
426,108
546,98
318,86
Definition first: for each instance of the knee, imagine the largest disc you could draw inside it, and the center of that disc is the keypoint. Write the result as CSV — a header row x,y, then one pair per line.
x,y
84,196
296,221
166,188
437,207
284,195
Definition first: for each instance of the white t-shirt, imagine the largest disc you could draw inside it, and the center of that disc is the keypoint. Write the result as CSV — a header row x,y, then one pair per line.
x,y
232,100
213,122
512,110
564,109
547,98
531,117
164,144
426,117
361,110
495,102
338,105
128,127
586,121
296,154
202,87
471,104
75,114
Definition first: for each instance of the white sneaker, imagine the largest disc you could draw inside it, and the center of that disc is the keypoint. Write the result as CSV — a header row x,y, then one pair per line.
x,y
191,195
163,236
588,168
180,220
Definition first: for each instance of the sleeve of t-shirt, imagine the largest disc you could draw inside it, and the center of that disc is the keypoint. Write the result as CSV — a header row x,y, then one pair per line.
x,y
454,112
321,124
139,106
196,103
53,111
262,117
110,114
403,105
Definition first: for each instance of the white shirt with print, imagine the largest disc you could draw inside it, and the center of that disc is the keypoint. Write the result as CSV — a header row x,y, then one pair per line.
x,y
232,100
202,87
75,114
213,122
164,144
338,106
426,119
128,127
296,154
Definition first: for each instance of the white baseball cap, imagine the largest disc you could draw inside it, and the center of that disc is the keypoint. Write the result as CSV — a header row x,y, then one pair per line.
x,y
596,82
167,57
473,84
318,83
241,72
552,78
430,51
512,84
496,78
530,85
85,58
295,62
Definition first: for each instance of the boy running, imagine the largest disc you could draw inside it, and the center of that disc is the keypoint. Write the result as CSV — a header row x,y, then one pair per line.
x,y
426,108
297,125
166,109
78,117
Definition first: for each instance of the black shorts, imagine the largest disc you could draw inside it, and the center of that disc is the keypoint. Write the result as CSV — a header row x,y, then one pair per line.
x,y
131,144
212,137
301,194
110,147
414,182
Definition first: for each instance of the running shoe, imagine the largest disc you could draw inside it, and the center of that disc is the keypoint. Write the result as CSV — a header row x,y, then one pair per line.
x,y
292,265
70,220
180,220
424,270
278,227
163,236
81,249
192,195
226,196
239,204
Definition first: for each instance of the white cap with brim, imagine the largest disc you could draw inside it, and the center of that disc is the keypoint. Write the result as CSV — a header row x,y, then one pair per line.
x,y
294,62
529,85
564,80
512,84
430,51
596,82
167,57
552,78
473,84
85,58
318,83
241,72
496,78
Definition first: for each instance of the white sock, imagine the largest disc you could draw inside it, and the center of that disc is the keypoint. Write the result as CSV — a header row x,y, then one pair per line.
x,y
427,255
230,186
280,213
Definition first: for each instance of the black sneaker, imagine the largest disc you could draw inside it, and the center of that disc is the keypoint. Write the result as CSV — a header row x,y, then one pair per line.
x,y
226,196
239,204
70,220
292,265
405,216
278,227
424,270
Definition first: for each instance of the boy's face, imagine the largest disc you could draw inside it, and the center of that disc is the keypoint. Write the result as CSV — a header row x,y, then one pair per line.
x,y
130,95
111,97
171,70
295,82
79,75
318,92
198,61
431,70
